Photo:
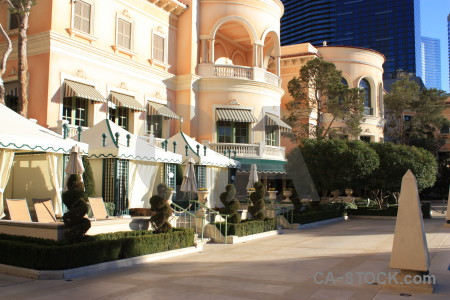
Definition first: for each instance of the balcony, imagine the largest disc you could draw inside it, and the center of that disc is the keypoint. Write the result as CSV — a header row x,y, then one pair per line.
x,y
239,72
72,130
249,150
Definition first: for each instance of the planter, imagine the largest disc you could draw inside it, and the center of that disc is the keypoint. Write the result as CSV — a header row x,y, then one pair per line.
x,y
249,192
287,194
203,196
169,200
272,195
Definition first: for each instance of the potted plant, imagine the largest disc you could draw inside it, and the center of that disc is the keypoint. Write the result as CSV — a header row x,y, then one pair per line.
x,y
272,194
249,191
203,194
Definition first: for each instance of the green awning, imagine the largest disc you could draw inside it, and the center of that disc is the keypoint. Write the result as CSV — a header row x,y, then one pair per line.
x,y
263,165
235,115
81,90
273,120
163,110
126,101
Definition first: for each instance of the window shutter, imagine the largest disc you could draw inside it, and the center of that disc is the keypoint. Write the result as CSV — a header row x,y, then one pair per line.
x,y
82,16
158,48
124,34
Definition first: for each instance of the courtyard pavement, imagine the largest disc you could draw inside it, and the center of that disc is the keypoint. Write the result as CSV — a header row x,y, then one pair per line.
x,y
285,266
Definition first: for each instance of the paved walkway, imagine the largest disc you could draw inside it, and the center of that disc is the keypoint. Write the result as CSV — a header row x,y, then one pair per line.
x,y
278,267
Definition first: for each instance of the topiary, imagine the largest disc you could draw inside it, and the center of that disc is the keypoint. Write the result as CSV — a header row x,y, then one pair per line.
x,y
257,199
228,198
75,201
88,178
160,209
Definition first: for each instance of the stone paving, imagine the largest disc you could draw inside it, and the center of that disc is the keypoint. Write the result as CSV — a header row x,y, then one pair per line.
x,y
285,266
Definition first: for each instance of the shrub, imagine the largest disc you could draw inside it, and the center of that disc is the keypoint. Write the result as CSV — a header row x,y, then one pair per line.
x,y
369,211
248,227
316,216
44,254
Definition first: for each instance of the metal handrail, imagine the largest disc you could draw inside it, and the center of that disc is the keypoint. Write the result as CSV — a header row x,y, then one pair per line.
x,y
191,215
288,214
214,212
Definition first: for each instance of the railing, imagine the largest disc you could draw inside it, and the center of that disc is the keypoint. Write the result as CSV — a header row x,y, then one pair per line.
x,y
271,78
274,151
241,149
212,215
72,130
185,218
233,71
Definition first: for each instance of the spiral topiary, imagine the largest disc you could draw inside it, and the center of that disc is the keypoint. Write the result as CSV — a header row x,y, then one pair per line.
x,y
160,209
75,200
257,199
231,204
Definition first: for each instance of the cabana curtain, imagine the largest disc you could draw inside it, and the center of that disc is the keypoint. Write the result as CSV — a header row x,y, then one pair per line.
x,y
142,180
216,180
6,162
56,174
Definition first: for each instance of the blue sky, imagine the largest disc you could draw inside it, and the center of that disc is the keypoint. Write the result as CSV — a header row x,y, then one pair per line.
x,y
433,15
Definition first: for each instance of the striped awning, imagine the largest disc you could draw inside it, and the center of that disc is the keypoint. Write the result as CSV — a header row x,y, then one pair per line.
x,y
12,88
81,90
161,109
235,115
126,101
273,120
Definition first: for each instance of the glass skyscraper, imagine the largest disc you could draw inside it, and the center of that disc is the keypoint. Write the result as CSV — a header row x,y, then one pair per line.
x,y
448,29
431,62
390,27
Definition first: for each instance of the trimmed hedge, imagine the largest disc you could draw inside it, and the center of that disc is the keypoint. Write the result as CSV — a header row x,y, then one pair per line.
x,y
248,227
391,211
316,216
41,254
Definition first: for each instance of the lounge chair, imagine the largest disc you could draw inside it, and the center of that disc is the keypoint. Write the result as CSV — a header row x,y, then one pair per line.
x,y
98,208
18,210
44,210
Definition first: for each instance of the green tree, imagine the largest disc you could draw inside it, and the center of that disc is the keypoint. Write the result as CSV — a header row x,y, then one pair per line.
x,y
414,115
333,163
88,177
319,90
395,160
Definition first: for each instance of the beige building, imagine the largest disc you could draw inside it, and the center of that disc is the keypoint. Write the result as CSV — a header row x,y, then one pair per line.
x,y
362,68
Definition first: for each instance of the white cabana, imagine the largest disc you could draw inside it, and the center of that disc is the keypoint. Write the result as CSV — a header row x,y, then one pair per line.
x,y
31,160
126,166
217,165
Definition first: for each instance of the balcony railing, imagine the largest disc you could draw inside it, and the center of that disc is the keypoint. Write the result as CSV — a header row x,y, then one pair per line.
x,y
240,72
249,150
72,130
233,71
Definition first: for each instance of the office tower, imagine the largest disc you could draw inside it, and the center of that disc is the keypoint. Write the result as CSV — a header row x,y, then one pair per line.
x,y
390,27
431,62
448,26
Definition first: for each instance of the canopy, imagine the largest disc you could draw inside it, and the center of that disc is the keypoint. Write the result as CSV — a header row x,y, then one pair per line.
x,y
81,90
205,157
273,120
126,101
20,134
264,165
163,110
133,148
235,115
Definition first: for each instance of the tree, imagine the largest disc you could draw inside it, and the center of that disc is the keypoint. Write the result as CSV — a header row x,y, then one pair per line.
x,y
21,10
319,90
88,177
334,163
3,62
414,114
395,160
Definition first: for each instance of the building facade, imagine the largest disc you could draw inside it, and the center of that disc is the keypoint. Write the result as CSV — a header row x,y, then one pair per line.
x,y
390,27
431,62
361,68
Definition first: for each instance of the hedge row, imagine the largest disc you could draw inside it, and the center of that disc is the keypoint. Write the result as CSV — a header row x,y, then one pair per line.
x,y
368,211
43,254
316,216
248,227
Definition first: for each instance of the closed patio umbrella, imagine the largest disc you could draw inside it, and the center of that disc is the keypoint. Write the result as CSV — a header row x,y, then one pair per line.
x,y
253,176
75,164
189,183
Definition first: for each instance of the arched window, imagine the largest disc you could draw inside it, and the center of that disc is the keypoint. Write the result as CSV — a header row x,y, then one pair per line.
x,y
364,84
343,81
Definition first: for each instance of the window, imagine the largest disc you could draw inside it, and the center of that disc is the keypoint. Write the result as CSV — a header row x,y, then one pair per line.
x,y
13,21
158,47
272,135
154,123
232,132
123,34
119,115
171,175
82,16
12,95
365,138
201,176
364,84
75,111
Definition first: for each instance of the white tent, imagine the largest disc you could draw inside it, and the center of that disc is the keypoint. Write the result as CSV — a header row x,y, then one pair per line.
x,y
217,165
145,163
38,172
